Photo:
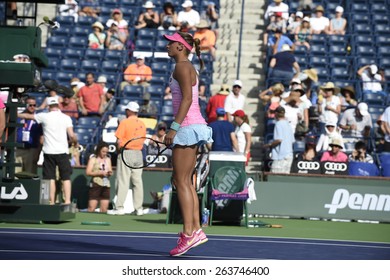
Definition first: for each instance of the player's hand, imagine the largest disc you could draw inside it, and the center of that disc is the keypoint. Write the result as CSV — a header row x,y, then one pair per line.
x,y
168,139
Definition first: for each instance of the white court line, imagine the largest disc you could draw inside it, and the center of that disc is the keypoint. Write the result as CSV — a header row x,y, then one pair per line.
x,y
240,240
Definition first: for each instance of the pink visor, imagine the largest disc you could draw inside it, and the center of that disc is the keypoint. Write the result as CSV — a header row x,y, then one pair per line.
x,y
177,38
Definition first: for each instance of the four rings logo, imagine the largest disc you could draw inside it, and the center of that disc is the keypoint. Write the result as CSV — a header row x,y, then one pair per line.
x,y
160,159
308,165
335,166
18,192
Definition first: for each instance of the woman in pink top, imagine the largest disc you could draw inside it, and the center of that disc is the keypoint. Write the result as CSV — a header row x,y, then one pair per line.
x,y
188,131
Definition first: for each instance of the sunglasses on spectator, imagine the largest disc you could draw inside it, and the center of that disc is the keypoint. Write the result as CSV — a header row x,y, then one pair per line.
x,y
32,105
236,87
162,128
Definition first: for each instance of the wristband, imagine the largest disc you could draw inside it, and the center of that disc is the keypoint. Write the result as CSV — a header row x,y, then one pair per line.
x,y
175,126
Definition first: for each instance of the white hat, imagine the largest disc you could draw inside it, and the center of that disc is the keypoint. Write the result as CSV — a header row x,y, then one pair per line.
x,y
299,14
306,19
237,83
102,79
285,48
378,77
363,109
187,3
52,101
139,57
148,5
339,9
296,80
132,106
374,69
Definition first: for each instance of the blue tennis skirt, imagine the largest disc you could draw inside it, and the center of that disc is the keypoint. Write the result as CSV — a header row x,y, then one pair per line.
x,y
194,134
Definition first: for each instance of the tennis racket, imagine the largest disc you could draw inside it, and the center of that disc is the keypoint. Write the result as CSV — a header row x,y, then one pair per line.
x,y
159,147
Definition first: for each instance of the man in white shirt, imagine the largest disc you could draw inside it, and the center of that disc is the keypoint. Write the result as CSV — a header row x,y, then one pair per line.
x,y
56,128
277,6
385,126
370,77
235,100
189,17
319,23
356,122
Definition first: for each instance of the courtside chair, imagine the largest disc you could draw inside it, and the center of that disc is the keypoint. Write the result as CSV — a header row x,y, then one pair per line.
x,y
228,183
363,169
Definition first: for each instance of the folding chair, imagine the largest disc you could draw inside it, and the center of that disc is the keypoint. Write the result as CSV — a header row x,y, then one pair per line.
x,y
228,183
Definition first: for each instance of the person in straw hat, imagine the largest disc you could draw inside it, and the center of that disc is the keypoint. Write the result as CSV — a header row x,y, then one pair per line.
x,y
216,101
348,97
319,23
206,36
329,104
150,18
97,38
335,154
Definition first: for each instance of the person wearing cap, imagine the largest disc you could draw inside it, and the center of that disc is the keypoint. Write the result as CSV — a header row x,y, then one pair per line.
x,y
277,23
187,132
137,73
371,79
148,108
243,133
303,33
276,6
216,101
329,106
206,36
116,38
224,135
129,128
91,97
338,24
319,23
294,21
102,81
97,38
282,143
69,8
330,132
149,18
278,40
235,100
335,154
348,98
30,134
21,58
297,114
283,66
117,19
356,122
188,18
57,127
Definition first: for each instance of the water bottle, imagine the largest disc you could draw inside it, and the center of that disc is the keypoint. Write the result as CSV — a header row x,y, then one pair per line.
x,y
205,217
105,179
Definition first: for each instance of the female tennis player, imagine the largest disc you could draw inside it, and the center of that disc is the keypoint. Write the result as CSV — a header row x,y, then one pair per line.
x,y
187,132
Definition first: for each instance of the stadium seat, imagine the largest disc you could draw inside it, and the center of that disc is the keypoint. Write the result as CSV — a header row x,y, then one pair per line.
x,y
318,61
360,18
376,109
146,34
382,29
160,46
80,42
365,51
167,110
340,73
74,53
94,54
338,40
90,66
55,52
64,31
299,146
110,66
54,63
155,90
362,28
380,19
144,45
81,31
373,98
358,8
72,65
86,21
159,80
87,122
385,62
300,50
384,52
337,50
318,50
132,90
65,21
57,41
339,61
382,41
363,40
379,9
49,74
160,68
114,55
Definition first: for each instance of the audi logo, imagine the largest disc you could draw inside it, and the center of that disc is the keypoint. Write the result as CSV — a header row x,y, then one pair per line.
x,y
80,148
160,159
111,148
335,166
308,165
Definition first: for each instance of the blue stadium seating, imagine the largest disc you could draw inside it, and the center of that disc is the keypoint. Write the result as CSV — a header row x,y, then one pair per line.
x,y
87,122
131,90
57,41
74,53
70,65
90,66
94,54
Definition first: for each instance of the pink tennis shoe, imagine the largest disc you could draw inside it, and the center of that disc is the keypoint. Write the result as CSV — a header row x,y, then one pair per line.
x,y
185,243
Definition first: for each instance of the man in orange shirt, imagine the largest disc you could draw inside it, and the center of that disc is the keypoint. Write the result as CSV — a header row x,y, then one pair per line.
x,y
137,73
129,128
91,96
206,36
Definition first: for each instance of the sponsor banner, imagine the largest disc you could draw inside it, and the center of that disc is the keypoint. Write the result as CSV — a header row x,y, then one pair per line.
x,y
21,191
334,168
162,161
306,167
322,199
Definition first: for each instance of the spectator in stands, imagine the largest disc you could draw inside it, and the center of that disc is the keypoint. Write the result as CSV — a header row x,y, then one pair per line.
x,y
348,97
57,127
149,18
356,122
188,18
282,144
148,108
70,8
308,78
69,107
306,6
224,135
129,128
206,36
102,81
303,33
371,79
202,91
277,22
215,102
109,100
309,154
330,132
100,169
97,38
278,40
211,15
137,73
90,9
168,17
243,133
295,21
329,105
52,93
31,135
360,153
319,23
76,84
116,40
276,90
284,66
293,112
385,126
235,100
167,93
117,19
91,97
277,6
338,24
335,154
161,131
